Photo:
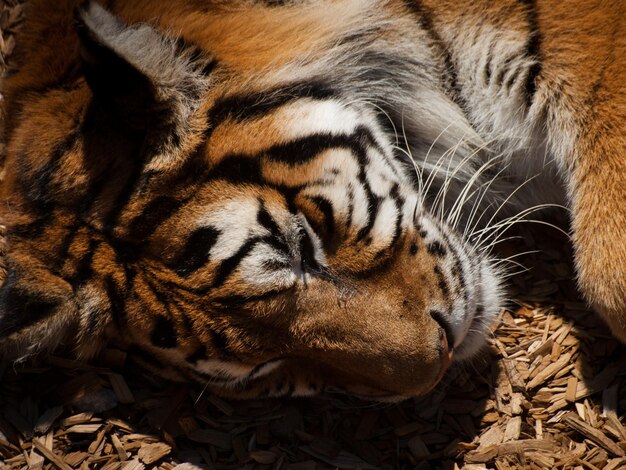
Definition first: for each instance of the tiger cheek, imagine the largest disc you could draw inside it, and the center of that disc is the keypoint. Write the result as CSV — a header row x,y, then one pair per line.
x,y
371,341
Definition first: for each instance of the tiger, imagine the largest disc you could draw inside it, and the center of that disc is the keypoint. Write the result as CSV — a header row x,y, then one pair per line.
x,y
281,198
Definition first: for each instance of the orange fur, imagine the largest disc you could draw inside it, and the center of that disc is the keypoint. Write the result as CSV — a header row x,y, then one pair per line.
x,y
373,305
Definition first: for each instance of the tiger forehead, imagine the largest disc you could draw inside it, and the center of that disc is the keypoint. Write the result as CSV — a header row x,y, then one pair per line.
x,y
254,36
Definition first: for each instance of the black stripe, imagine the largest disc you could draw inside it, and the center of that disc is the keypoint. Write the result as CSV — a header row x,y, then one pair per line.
x,y
457,270
399,200
199,354
88,201
488,70
275,237
533,49
21,308
373,205
435,248
450,78
305,149
275,3
196,56
442,283
38,188
238,169
350,195
254,105
228,266
503,70
221,344
118,304
32,229
209,67
164,299
152,216
195,253
307,254
326,208
163,334
372,201
514,77
84,269
302,150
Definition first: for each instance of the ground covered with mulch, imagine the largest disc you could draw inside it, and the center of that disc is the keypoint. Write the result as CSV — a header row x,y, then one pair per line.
x,y
549,392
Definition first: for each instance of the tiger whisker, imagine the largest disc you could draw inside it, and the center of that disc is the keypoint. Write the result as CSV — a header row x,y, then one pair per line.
x,y
510,258
501,206
438,203
455,211
501,227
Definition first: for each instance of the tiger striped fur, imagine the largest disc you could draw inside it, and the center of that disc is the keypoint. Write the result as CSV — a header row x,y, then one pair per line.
x,y
239,190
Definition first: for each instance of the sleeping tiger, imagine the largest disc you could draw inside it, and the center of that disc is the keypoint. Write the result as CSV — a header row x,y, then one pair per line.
x,y
281,197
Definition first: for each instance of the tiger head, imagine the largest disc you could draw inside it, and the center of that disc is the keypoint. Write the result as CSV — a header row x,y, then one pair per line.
x,y
253,228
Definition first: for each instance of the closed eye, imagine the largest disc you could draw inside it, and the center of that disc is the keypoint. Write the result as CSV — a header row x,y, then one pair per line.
x,y
307,254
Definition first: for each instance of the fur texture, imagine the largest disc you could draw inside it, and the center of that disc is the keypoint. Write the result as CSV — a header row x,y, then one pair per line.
x,y
241,191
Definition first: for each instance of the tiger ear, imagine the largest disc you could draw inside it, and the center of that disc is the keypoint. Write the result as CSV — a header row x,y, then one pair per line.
x,y
117,83
145,80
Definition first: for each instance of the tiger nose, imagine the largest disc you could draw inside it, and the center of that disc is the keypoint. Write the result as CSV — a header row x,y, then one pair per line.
x,y
446,354
447,351
445,334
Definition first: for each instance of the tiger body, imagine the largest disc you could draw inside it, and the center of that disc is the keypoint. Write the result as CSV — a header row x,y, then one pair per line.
x,y
240,190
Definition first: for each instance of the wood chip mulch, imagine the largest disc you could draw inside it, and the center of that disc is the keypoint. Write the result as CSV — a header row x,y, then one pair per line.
x,y
549,393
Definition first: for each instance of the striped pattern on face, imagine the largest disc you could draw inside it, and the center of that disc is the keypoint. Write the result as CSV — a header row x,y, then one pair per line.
x,y
259,233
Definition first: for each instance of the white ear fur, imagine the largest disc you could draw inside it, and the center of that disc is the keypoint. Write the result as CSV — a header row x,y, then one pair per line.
x,y
157,57
177,73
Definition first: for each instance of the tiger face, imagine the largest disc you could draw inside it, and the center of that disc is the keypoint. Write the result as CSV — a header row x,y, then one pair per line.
x,y
256,231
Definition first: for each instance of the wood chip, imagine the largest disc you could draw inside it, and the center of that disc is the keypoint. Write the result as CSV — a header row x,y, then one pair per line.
x,y
570,393
492,436
46,420
84,428
593,434
549,371
150,453
263,457
119,448
517,382
51,456
513,429
77,419
120,388
134,464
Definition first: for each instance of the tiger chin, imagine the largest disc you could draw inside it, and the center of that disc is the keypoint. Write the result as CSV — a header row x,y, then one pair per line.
x,y
239,191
